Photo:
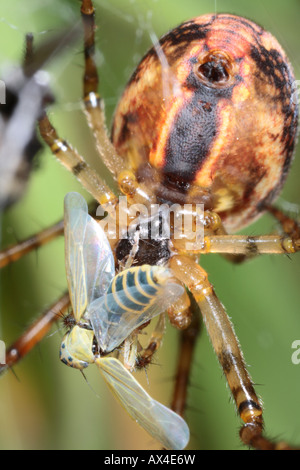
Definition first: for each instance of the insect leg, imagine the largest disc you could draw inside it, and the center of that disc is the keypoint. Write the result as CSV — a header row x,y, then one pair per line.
x,y
144,357
35,333
228,351
180,316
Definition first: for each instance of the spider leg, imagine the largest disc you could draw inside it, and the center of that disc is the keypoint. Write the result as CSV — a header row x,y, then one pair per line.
x,y
188,340
94,109
287,243
228,351
71,159
250,246
289,225
15,252
217,240
94,106
18,250
28,52
35,333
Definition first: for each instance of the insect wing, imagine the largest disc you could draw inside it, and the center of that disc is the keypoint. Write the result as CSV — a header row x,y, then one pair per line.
x,y
89,259
158,420
113,322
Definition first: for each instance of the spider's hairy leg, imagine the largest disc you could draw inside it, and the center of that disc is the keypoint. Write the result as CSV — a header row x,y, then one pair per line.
x,y
35,333
94,110
228,351
18,250
250,245
28,52
188,340
289,225
94,106
247,247
15,252
71,159
216,240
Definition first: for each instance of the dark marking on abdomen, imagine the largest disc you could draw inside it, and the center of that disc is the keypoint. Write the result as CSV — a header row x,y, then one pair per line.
x,y
194,129
190,140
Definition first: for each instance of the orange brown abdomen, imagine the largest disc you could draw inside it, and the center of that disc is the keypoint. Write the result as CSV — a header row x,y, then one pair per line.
x,y
212,106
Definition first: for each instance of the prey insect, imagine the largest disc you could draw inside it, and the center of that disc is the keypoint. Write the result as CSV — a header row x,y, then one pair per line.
x,y
107,309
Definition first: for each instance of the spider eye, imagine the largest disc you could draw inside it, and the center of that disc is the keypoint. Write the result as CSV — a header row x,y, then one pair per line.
x,y
215,69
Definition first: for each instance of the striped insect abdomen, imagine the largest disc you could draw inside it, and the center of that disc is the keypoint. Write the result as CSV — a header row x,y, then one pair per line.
x,y
135,289
135,296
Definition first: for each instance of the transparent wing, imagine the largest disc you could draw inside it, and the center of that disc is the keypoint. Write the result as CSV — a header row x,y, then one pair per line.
x,y
158,420
113,322
89,259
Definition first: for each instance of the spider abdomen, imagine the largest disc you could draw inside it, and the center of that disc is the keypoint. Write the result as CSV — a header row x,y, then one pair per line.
x,y
212,106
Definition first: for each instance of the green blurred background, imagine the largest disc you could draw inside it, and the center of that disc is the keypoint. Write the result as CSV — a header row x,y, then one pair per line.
x,y
51,406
